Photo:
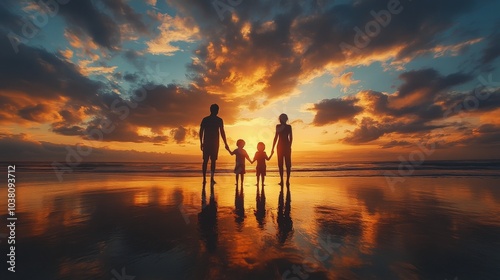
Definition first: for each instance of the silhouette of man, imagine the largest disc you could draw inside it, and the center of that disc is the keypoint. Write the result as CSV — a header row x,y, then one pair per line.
x,y
209,140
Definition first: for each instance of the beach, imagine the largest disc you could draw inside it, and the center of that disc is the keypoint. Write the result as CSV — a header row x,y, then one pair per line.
x,y
123,225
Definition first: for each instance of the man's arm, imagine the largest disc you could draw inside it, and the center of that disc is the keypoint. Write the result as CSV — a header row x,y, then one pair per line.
x,y
291,137
223,135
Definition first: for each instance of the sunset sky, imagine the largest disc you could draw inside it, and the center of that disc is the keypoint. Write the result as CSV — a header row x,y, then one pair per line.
x,y
359,80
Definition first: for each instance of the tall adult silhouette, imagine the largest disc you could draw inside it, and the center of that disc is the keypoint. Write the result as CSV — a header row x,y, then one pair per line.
x,y
285,222
210,128
207,220
284,137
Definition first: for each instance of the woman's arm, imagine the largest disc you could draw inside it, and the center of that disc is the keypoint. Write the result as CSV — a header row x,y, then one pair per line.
x,y
275,139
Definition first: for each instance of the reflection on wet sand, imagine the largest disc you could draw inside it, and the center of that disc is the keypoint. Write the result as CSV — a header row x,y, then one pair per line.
x,y
285,223
260,206
239,206
207,219
341,229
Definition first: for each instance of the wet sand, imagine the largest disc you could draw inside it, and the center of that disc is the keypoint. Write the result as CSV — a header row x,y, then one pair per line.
x,y
105,226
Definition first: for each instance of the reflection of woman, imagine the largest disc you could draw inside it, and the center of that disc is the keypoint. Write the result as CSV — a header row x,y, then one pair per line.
x,y
285,223
284,137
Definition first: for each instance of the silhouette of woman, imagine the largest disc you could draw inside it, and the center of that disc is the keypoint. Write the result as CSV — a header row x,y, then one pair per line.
x,y
284,137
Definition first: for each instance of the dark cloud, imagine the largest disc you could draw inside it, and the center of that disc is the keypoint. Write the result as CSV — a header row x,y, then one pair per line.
x,y
73,130
21,148
84,17
396,143
430,81
492,50
119,131
486,134
43,75
122,11
367,130
131,77
334,110
179,134
135,58
9,20
35,113
106,29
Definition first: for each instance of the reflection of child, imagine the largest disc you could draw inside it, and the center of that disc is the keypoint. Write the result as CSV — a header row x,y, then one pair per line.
x,y
261,157
241,155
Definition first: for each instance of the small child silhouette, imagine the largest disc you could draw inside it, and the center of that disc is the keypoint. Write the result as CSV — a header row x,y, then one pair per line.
x,y
241,155
261,157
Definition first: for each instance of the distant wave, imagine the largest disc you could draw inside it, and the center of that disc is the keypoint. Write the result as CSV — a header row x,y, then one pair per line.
x,y
316,169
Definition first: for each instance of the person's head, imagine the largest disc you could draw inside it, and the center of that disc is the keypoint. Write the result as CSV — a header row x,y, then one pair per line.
x,y
240,143
214,109
261,147
283,118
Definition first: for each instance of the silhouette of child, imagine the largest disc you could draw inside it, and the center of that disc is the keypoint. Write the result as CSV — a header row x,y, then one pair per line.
x,y
261,157
241,155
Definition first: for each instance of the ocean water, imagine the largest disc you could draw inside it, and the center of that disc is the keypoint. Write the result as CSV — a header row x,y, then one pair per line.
x,y
300,169
335,221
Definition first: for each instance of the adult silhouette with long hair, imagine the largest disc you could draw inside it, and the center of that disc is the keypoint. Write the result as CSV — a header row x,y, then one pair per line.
x,y
285,223
210,128
284,137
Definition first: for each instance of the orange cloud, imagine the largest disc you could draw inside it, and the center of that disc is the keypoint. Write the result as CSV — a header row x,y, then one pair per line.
x,y
172,30
345,81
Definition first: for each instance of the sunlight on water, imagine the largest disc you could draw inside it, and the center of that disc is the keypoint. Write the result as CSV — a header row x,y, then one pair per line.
x,y
320,228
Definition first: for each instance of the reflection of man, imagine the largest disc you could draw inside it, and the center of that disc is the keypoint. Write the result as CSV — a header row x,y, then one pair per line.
x,y
209,140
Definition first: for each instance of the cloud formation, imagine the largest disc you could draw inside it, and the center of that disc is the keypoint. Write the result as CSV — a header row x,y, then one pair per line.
x,y
424,102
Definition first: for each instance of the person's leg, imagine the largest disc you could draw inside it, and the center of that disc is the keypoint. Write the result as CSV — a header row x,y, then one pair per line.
x,y
280,167
263,178
237,179
204,169
242,178
288,163
212,169
258,177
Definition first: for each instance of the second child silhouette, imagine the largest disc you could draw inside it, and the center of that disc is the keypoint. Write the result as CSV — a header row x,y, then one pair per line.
x,y
241,155
261,157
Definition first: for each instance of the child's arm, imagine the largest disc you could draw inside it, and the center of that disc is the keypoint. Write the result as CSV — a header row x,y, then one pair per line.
x,y
248,157
269,157
254,158
231,152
